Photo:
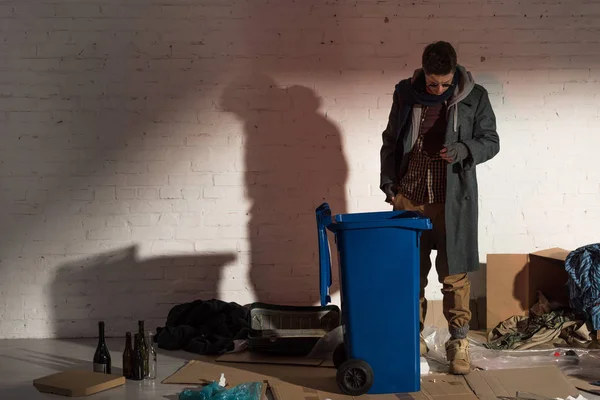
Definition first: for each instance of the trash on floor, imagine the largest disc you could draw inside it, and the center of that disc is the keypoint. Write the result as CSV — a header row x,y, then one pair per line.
x,y
546,324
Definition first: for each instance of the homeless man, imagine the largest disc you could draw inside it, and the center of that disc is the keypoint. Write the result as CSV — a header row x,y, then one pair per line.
x,y
441,126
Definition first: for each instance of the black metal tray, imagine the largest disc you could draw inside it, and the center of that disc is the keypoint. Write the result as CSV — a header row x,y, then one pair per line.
x,y
289,330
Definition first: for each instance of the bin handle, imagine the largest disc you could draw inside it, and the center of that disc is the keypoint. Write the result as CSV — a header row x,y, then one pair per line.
x,y
324,219
408,214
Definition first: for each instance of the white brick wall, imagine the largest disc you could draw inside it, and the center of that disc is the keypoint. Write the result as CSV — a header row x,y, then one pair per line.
x,y
152,152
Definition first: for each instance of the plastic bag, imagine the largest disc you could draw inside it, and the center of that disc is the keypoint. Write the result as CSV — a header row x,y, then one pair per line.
x,y
325,347
245,391
206,393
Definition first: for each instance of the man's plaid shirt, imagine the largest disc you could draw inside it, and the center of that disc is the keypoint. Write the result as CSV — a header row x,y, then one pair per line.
x,y
425,179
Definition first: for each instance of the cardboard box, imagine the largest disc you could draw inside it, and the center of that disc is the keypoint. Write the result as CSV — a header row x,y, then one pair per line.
x,y
513,281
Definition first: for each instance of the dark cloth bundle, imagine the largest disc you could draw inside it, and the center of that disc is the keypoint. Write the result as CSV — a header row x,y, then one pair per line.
x,y
204,327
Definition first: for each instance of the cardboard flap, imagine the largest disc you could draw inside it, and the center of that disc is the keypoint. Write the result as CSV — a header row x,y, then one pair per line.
x,y
543,381
446,387
555,253
486,385
584,385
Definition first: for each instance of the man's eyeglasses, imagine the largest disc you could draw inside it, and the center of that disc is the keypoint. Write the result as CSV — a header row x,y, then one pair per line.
x,y
444,85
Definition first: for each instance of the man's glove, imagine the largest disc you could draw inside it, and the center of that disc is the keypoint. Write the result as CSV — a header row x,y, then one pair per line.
x,y
390,190
454,152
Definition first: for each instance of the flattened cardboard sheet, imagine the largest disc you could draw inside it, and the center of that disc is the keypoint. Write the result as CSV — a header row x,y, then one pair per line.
x,y
434,387
77,383
310,383
197,372
542,381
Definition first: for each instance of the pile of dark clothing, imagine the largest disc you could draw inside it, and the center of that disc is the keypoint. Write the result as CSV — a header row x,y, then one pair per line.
x,y
204,327
547,324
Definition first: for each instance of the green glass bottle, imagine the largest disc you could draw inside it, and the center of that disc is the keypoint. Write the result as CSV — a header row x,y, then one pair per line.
x,y
102,361
143,347
128,357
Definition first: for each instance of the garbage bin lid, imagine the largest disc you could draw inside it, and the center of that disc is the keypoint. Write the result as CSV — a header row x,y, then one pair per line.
x,y
383,219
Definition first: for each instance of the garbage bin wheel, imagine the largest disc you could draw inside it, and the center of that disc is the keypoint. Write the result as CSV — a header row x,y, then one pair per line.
x,y
339,355
354,377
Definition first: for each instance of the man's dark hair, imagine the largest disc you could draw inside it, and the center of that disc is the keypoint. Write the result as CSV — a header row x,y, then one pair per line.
x,y
439,58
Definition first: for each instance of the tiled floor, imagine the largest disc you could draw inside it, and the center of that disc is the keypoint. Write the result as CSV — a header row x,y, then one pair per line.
x,y
22,361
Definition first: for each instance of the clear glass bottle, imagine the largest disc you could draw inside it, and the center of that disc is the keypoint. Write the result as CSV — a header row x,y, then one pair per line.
x,y
151,356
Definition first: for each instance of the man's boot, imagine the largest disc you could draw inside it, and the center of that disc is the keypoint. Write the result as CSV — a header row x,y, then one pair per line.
x,y
457,353
423,346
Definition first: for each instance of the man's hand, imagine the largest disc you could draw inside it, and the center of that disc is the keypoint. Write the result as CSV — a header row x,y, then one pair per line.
x,y
390,190
455,152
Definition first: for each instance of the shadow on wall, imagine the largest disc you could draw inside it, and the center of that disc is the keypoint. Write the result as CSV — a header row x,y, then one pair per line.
x,y
293,162
521,289
121,289
104,132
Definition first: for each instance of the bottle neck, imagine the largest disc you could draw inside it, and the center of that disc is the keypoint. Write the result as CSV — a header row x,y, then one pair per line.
x,y
101,332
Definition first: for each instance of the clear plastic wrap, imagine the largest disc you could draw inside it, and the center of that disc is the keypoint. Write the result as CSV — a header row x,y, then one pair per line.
x,y
573,362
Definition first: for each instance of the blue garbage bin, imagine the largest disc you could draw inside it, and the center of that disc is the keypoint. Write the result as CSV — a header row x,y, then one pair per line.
x,y
378,255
